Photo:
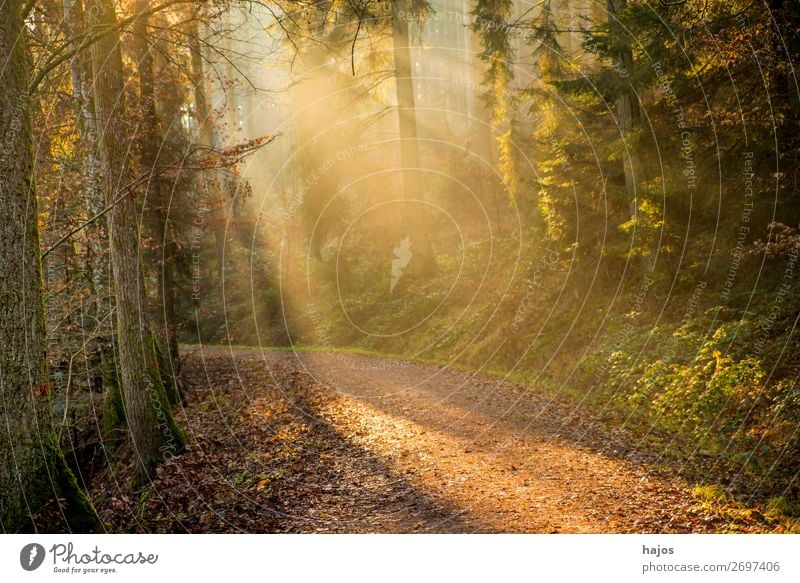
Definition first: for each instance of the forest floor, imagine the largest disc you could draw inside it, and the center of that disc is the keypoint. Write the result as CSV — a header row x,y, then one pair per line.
x,y
322,442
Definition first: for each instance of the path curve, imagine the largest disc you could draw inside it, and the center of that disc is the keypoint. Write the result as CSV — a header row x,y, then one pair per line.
x,y
408,447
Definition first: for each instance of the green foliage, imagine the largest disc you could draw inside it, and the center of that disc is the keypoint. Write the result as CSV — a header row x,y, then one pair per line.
x,y
705,387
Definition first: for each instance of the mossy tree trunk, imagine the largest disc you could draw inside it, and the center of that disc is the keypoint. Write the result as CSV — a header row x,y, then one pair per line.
x,y
32,467
157,202
154,434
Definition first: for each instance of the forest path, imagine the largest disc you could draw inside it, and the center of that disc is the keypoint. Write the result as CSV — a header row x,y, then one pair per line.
x,y
382,445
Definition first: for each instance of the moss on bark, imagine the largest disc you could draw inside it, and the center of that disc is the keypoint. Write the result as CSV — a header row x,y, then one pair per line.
x,y
32,467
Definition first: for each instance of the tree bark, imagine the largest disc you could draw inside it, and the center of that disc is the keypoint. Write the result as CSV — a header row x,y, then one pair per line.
x,y
32,467
157,202
153,431
202,113
627,116
101,355
627,109
409,146
210,179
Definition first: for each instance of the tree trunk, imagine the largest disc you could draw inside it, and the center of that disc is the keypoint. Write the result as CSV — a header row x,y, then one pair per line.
x,y
101,352
153,431
409,147
210,179
202,114
627,116
32,467
157,201
627,109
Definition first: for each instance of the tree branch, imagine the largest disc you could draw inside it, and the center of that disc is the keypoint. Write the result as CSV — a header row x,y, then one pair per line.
x,y
89,38
234,155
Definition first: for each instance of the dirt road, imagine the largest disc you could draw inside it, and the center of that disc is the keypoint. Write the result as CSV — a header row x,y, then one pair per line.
x,y
380,445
